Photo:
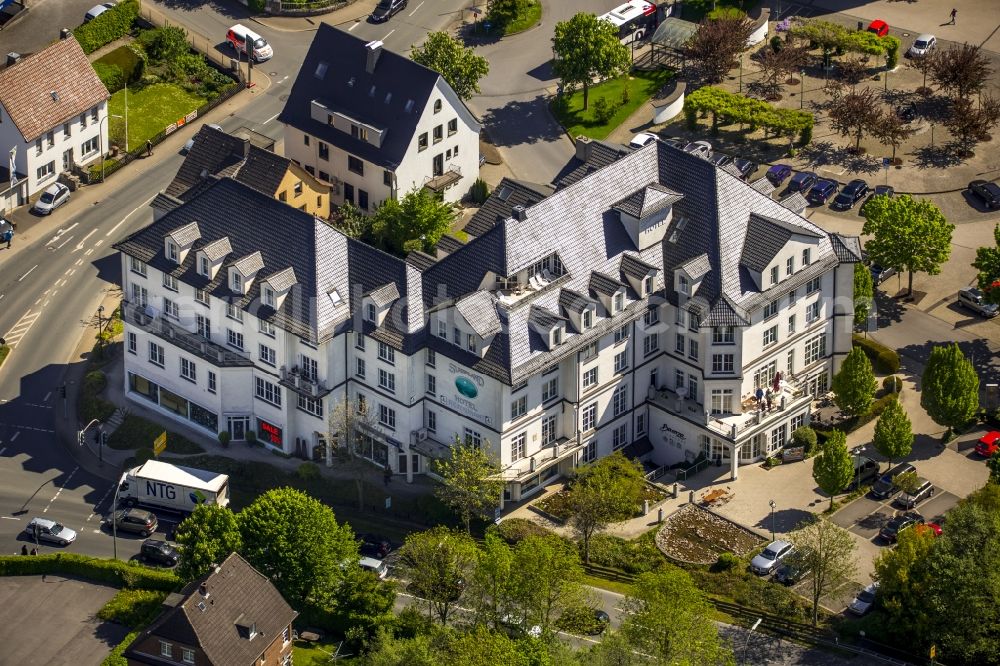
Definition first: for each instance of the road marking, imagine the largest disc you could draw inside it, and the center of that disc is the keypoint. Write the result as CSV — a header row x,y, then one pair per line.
x,y
28,273
38,301
9,518
58,492
142,205
59,234
3,450
89,252
61,245
60,283
20,329
100,502
15,435
78,262
389,35
1,297
35,404
415,9
353,27
99,243
79,246
24,427
46,398
45,304
271,118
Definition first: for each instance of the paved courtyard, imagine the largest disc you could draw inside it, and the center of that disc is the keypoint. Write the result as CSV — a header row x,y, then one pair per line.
x,y
53,621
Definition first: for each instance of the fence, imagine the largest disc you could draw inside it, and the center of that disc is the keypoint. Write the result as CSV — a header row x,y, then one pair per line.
x,y
313,8
203,45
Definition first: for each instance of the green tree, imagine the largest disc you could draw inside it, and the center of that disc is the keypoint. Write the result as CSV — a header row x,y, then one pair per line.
x,y
489,589
505,12
348,421
461,67
988,264
613,650
826,35
352,222
907,234
363,602
470,482
718,43
669,619
805,437
295,540
854,386
415,223
893,436
547,580
994,464
949,388
437,563
864,294
901,577
833,468
585,49
604,492
166,44
826,551
208,535
907,482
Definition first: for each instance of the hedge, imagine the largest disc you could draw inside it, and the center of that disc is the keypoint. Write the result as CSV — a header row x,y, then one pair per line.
x,y
133,608
109,26
730,108
110,75
885,361
91,405
515,530
117,656
136,432
113,572
129,58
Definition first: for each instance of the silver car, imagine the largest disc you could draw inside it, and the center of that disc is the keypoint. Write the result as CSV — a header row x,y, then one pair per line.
x,y
922,45
864,601
56,195
973,299
42,529
769,558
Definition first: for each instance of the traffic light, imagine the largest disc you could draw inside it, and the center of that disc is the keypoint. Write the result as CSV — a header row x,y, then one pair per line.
x,y
104,438
62,391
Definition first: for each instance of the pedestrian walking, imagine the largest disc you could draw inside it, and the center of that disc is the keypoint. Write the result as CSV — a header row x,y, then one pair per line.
x,y
24,549
149,148
954,13
8,236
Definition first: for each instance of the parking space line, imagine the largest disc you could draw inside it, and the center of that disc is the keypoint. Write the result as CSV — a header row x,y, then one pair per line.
x,y
16,435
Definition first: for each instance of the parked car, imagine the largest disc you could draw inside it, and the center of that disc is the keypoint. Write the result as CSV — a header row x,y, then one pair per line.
x,y
972,299
988,444
769,558
802,181
791,571
373,545
933,528
986,191
864,601
601,622
675,142
700,148
879,191
190,142
885,487
853,192
720,159
880,274
160,552
641,139
377,567
865,469
778,173
96,11
906,112
890,531
138,521
386,9
925,490
821,192
56,195
43,529
921,46
879,27
746,167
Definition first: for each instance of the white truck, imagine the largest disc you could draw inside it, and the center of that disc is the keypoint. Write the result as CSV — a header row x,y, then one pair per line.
x,y
162,485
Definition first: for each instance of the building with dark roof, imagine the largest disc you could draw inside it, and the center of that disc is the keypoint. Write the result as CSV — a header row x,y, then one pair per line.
x,y
375,124
649,300
232,616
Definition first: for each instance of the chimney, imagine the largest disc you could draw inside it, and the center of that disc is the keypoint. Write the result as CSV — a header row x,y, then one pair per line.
x,y
582,148
246,148
64,33
13,58
203,590
519,213
374,50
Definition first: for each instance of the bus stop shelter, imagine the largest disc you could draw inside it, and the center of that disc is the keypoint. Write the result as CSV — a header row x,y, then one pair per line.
x,y
667,43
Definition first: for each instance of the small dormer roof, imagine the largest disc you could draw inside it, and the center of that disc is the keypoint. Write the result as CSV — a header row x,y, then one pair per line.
x,y
186,235
697,267
282,280
218,249
384,295
603,284
544,319
650,199
250,264
574,301
480,311
847,248
636,268
449,244
724,313
795,202
765,238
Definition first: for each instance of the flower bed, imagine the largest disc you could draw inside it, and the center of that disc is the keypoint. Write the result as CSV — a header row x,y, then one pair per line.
x,y
557,505
696,536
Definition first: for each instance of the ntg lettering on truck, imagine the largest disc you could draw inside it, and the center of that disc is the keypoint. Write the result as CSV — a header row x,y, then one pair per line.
x,y
158,489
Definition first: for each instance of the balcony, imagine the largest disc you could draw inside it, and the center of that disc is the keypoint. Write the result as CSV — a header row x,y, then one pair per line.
x,y
733,427
547,456
150,320
439,184
302,383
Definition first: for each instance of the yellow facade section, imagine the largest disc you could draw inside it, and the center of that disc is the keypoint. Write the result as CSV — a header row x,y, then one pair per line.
x,y
300,190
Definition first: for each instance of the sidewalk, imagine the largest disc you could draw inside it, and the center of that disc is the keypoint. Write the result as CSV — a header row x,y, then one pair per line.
x,y
352,13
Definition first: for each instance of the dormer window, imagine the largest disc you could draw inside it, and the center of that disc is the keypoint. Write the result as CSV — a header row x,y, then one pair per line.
x,y
471,343
236,282
556,336
774,275
647,285
171,251
371,312
267,296
619,302
806,259
684,286
588,319
204,267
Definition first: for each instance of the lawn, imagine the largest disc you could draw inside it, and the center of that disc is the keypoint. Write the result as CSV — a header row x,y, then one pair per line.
x,y
532,16
136,432
314,654
150,110
696,11
641,86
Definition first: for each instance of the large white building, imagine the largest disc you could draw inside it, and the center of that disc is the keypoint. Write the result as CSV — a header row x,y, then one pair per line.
x,y
375,124
551,338
53,116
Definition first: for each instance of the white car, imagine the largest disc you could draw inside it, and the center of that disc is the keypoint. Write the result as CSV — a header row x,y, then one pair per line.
x,y
864,601
641,139
769,558
97,10
921,46
702,149
56,195
190,142
42,529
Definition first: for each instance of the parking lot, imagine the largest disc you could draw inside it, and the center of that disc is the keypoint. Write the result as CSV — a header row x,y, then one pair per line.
x,y
867,515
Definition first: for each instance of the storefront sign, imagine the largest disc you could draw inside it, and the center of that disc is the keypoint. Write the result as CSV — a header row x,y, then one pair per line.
x,y
467,388
676,433
793,453
270,433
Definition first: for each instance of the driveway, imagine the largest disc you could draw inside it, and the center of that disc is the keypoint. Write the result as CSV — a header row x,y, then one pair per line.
x,y
66,609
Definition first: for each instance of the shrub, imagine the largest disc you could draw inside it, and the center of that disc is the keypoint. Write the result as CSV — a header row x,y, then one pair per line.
x,y
135,432
805,135
480,191
129,58
892,384
142,455
113,572
777,44
691,117
883,359
728,561
224,438
109,26
132,608
117,657
805,437
891,45
164,45
634,556
110,75
90,403
579,620
723,13
251,437
515,530
308,471
503,12
605,110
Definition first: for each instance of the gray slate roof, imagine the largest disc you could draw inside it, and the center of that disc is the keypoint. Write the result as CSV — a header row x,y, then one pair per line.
x,y
795,202
217,249
187,234
449,244
763,185
250,264
420,260
652,198
500,203
213,152
282,280
384,295
599,154
480,309
635,267
574,301
765,238
697,267
847,248
604,284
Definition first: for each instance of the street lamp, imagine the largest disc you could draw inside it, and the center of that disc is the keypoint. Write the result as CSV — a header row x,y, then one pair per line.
x,y
772,518
802,87
857,453
114,522
752,629
100,328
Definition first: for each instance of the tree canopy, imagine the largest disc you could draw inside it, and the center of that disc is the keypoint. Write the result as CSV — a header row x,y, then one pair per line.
x,y
855,114
417,222
437,563
893,436
604,492
960,71
717,44
586,48
854,385
208,535
949,387
833,468
988,264
826,551
864,293
470,482
460,66
907,234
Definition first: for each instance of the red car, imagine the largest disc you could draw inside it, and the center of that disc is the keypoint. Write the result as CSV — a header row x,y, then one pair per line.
x,y
933,528
988,444
879,27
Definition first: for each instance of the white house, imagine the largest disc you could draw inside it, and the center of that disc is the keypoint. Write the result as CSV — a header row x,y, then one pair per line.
x,y
634,309
53,115
376,125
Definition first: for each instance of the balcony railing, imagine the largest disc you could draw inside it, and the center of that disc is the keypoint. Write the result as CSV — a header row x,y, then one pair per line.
x,y
302,383
150,320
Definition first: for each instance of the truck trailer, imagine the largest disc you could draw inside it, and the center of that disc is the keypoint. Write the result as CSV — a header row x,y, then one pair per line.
x,y
165,486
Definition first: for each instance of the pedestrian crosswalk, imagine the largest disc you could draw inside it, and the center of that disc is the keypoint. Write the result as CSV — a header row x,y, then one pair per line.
x,y
20,329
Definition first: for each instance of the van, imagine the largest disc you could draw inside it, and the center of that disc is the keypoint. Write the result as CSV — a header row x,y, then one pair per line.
x,y
377,567
865,469
925,489
238,36
973,299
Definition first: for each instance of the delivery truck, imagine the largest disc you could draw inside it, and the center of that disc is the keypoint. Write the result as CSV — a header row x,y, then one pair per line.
x,y
165,486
